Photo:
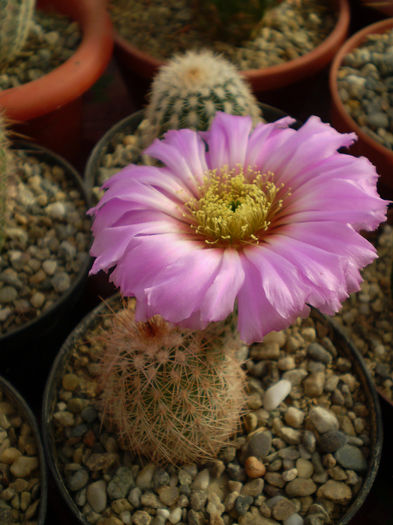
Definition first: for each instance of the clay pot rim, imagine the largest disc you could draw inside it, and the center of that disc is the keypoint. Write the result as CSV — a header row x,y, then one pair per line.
x,y
273,76
352,43
76,75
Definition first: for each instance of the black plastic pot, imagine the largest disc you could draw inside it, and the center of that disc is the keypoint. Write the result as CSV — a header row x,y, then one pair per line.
x,y
14,397
23,351
341,342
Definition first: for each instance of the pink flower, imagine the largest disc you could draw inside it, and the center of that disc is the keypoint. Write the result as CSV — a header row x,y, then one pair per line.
x,y
266,220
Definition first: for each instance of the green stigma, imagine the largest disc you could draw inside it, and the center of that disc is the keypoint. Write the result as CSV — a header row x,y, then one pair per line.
x,y
235,207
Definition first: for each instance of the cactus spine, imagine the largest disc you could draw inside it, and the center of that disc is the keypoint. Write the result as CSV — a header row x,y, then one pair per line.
x,y
173,395
189,90
15,16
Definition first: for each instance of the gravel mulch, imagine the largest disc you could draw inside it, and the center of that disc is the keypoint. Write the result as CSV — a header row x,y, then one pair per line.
x,y
367,316
47,240
52,40
300,458
365,86
290,30
20,476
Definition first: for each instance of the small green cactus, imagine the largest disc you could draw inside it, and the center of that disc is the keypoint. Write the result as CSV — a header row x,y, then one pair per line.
x,y
15,20
230,20
189,90
5,156
173,395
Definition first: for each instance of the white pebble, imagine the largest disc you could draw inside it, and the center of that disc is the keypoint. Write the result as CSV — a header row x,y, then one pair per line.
x,y
323,419
175,515
275,394
56,210
201,482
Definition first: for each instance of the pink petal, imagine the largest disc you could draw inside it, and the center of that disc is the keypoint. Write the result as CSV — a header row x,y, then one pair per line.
x,y
220,297
339,200
256,315
312,143
176,291
227,140
265,138
183,153
321,273
145,259
280,280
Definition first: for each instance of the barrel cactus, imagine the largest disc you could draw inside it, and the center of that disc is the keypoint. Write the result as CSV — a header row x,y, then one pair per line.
x,y
173,395
189,90
16,17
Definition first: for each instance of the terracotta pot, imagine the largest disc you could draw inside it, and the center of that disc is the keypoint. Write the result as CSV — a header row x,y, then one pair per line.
x,y
383,6
50,107
133,60
378,154
61,366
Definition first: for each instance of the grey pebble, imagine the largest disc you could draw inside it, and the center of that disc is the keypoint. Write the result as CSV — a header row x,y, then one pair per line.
x,y
120,484
318,353
242,504
332,440
259,444
351,457
78,480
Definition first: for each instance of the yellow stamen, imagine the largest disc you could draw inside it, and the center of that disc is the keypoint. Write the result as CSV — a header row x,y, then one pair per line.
x,y
235,207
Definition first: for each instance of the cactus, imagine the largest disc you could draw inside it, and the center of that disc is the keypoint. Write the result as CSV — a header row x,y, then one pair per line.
x,y
173,395
189,90
230,20
15,16
5,155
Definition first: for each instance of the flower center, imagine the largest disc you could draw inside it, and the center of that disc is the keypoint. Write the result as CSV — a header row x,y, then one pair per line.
x,y
235,206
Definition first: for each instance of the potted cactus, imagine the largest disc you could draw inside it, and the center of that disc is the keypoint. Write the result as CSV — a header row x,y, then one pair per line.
x,y
220,245
48,108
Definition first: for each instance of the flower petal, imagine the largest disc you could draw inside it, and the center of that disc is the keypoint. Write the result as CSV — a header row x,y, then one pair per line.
x,y
265,138
312,143
220,297
177,290
145,259
227,140
183,153
256,315
280,280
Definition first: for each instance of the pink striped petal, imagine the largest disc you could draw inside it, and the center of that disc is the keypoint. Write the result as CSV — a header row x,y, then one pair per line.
x,y
228,140
178,289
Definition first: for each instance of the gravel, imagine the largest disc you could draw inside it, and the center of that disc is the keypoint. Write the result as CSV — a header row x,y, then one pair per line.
x,y
365,86
289,31
301,462
367,316
20,480
44,251
52,40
